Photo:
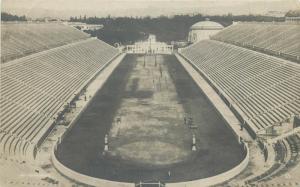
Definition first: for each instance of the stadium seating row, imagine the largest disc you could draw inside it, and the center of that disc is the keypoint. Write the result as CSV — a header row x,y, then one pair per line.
x,y
287,153
34,89
266,89
273,37
21,39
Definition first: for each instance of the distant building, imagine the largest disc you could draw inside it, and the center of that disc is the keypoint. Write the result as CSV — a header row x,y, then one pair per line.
x,y
84,26
276,14
150,46
203,30
180,43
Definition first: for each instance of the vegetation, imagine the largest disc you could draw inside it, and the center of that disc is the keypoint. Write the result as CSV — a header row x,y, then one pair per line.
x,y
126,30
293,13
9,17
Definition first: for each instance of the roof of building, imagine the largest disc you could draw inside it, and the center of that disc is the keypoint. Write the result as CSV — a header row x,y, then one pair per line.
x,y
207,25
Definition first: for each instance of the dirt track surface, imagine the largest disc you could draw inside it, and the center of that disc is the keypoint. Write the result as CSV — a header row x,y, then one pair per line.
x,y
142,109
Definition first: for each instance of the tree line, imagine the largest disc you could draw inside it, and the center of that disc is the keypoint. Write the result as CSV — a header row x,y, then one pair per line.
x,y
126,30
9,17
293,13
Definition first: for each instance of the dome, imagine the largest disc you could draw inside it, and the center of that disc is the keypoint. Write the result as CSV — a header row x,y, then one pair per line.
x,y
207,25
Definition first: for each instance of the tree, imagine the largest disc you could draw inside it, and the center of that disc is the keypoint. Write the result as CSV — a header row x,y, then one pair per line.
x,y
293,13
9,17
127,30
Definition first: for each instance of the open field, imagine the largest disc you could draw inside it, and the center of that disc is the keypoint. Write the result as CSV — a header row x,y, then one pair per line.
x,y
142,107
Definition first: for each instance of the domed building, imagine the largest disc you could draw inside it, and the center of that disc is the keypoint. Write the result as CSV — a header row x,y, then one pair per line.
x,y
202,30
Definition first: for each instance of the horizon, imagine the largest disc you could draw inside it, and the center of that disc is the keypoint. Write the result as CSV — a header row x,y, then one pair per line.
x,y
143,8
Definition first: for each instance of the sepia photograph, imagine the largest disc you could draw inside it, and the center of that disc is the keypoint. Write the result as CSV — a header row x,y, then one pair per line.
x,y
150,93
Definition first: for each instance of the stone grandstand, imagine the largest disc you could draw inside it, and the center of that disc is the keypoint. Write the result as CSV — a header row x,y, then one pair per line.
x,y
26,38
281,39
264,90
49,82
251,67
46,66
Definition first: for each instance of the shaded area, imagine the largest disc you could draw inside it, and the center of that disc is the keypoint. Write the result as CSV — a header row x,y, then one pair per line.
x,y
81,150
135,93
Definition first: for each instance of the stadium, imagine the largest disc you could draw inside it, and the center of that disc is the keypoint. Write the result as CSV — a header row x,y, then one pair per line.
x,y
224,110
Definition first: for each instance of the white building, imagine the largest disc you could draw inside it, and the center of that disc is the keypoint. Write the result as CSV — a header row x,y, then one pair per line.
x,y
150,46
275,14
84,26
203,30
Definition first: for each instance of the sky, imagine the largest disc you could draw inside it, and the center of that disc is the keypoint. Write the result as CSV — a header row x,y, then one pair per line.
x,y
101,8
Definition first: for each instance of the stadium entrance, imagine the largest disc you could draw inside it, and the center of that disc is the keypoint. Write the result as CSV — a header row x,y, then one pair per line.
x,y
150,184
151,46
